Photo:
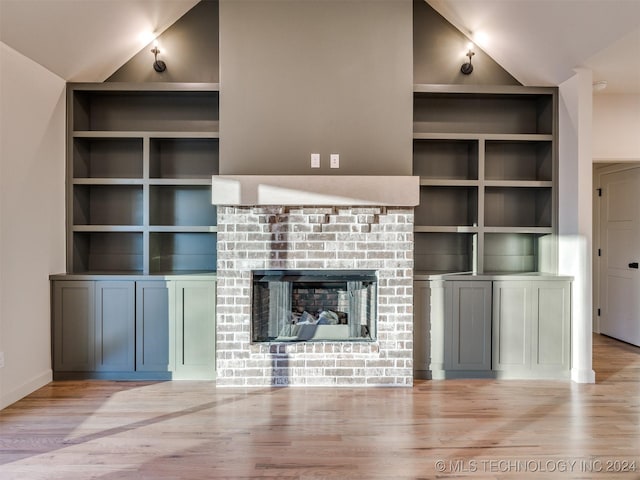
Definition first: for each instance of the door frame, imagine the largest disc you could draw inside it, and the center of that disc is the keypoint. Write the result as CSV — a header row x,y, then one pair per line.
x,y
601,168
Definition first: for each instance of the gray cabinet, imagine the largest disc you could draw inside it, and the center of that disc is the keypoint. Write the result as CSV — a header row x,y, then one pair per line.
x,y
421,329
531,329
452,328
140,229
73,326
469,327
492,326
195,310
114,326
153,333
134,329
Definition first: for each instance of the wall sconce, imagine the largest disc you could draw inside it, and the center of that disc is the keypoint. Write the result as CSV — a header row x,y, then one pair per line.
x,y
467,68
158,65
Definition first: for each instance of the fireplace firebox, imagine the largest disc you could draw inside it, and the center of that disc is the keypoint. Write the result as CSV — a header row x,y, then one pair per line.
x,y
314,305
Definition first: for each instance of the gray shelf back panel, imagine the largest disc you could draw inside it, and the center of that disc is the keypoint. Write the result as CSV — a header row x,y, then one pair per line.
x,y
175,252
106,252
477,113
181,205
511,252
447,206
183,157
107,158
512,160
444,252
446,159
518,207
107,204
145,111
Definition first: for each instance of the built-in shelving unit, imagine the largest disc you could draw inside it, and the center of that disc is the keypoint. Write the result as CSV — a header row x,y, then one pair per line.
x,y
486,157
140,161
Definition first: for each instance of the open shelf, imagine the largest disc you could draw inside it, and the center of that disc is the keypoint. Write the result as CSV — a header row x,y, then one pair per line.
x,y
176,252
486,157
107,204
118,110
512,252
181,205
444,252
139,167
108,252
107,158
513,160
437,112
183,157
446,159
517,207
447,206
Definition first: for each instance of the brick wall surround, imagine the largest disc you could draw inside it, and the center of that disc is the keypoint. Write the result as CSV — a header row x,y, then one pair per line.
x,y
298,238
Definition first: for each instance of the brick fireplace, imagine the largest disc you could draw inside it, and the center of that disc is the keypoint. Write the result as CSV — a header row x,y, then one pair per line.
x,y
376,238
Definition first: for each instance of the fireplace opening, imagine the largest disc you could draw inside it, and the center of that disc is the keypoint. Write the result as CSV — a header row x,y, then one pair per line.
x,y
314,305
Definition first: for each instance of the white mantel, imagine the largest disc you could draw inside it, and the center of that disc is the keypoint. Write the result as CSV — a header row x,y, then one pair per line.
x,y
331,190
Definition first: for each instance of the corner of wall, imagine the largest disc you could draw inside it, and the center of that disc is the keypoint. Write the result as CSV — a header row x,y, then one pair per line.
x,y
32,218
26,388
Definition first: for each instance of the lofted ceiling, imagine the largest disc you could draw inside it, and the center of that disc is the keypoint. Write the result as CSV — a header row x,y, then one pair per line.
x,y
85,40
539,42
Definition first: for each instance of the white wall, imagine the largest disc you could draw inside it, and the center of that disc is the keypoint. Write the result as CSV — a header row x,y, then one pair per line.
x,y
616,127
32,219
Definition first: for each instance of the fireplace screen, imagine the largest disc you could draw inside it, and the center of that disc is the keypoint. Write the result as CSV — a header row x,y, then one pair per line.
x,y
310,305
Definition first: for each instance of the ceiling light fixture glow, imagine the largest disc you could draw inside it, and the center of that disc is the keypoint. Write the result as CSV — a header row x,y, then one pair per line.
x,y
147,37
480,38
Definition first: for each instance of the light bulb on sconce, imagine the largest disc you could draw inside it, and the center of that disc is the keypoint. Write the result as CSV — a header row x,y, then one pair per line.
x,y
158,65
466,67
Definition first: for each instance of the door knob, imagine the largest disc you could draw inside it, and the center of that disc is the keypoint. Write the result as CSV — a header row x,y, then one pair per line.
x,y
633,265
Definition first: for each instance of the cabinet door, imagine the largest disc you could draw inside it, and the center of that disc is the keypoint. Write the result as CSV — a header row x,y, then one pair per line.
x,y
73,326
531,328
511,326
421,328
551,327
195,329
471,326
152,327
115,326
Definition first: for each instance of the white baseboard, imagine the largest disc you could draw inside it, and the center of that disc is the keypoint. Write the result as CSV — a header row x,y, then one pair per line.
x,y
26,388
583,376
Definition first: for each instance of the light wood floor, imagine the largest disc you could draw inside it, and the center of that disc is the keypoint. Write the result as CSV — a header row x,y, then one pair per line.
x,y
446,429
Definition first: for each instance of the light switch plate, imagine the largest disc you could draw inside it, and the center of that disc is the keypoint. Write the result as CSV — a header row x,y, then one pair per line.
x,y
335,160
315,160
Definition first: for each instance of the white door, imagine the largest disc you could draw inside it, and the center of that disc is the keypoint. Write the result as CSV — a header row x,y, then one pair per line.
x,y
620,244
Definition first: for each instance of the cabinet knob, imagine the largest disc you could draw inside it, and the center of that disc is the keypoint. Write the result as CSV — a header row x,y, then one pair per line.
x,y
633,265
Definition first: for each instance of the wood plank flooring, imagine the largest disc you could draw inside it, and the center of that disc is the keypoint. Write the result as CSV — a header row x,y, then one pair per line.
x,y
437,429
